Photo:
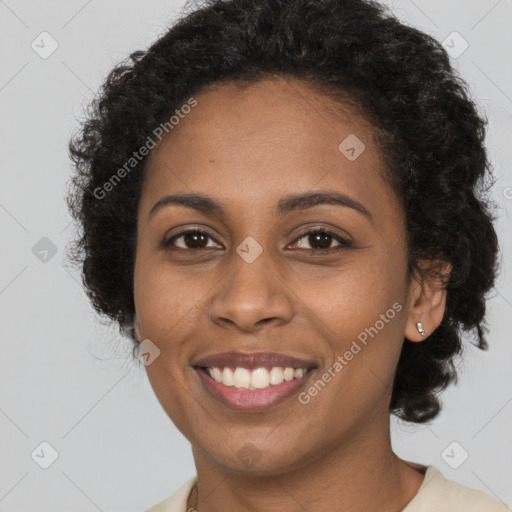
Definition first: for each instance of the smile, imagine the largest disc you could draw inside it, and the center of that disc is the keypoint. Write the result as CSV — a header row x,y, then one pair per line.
x,y
252,389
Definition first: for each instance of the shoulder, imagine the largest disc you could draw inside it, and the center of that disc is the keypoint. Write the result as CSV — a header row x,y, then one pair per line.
x,y
443,495
177,502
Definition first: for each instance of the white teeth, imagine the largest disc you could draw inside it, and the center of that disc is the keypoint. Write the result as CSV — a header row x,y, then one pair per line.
x,y
259,378
227,377
276,375
217,374
299,372
289,373
241,378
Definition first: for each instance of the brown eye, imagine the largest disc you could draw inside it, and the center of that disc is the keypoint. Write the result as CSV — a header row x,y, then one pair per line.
x,y
320,241
192,239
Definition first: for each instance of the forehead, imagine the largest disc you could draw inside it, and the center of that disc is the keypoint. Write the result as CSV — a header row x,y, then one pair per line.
x,y
265,139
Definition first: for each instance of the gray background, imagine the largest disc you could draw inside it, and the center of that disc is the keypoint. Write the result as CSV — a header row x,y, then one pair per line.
x,y
66,377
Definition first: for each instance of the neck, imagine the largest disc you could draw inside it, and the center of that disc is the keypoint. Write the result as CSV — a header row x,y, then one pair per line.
x,y
363,474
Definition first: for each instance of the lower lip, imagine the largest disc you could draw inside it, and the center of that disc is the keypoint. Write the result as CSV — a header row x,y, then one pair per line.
x,y
251,399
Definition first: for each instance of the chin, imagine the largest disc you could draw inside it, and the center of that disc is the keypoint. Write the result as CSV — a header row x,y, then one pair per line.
x,y
266,455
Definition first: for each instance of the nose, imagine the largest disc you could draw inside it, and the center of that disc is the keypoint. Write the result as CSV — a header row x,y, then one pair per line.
x,y
252,296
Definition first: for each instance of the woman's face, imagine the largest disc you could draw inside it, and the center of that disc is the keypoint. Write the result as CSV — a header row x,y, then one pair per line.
x,y
256,281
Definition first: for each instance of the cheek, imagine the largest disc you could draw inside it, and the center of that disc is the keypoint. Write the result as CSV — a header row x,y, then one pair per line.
x,y
353,298
166,303
360,313
165,297
172,392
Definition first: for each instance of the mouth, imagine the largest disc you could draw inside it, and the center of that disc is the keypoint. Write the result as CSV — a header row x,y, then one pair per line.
x,y
256,385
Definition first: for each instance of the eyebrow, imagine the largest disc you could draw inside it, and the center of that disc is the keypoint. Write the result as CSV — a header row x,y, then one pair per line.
x,y
208,205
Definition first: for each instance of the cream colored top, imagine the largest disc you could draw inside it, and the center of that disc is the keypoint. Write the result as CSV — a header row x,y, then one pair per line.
x,y
436,494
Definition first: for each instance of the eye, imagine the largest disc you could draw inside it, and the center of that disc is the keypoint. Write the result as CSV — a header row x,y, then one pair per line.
x,y
322,238
192,239
320,241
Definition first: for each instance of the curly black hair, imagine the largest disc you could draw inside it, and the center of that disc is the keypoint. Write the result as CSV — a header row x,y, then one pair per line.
x,y
431,135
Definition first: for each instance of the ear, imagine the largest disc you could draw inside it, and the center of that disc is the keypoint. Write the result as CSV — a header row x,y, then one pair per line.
x,y
427,299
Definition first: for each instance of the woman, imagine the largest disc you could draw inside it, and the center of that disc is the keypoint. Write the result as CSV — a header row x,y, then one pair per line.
x,y
281,204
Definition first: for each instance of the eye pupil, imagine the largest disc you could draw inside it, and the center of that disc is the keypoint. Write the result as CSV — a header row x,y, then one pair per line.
x,y
324,240
192,237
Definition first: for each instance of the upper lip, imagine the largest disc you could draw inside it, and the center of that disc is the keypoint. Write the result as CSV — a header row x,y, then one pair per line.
x,y
252,360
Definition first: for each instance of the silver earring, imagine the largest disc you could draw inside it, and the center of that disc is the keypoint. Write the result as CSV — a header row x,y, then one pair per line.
x,y
419,325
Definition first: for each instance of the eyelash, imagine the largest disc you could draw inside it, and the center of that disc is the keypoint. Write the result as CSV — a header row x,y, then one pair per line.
x,y
344,243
